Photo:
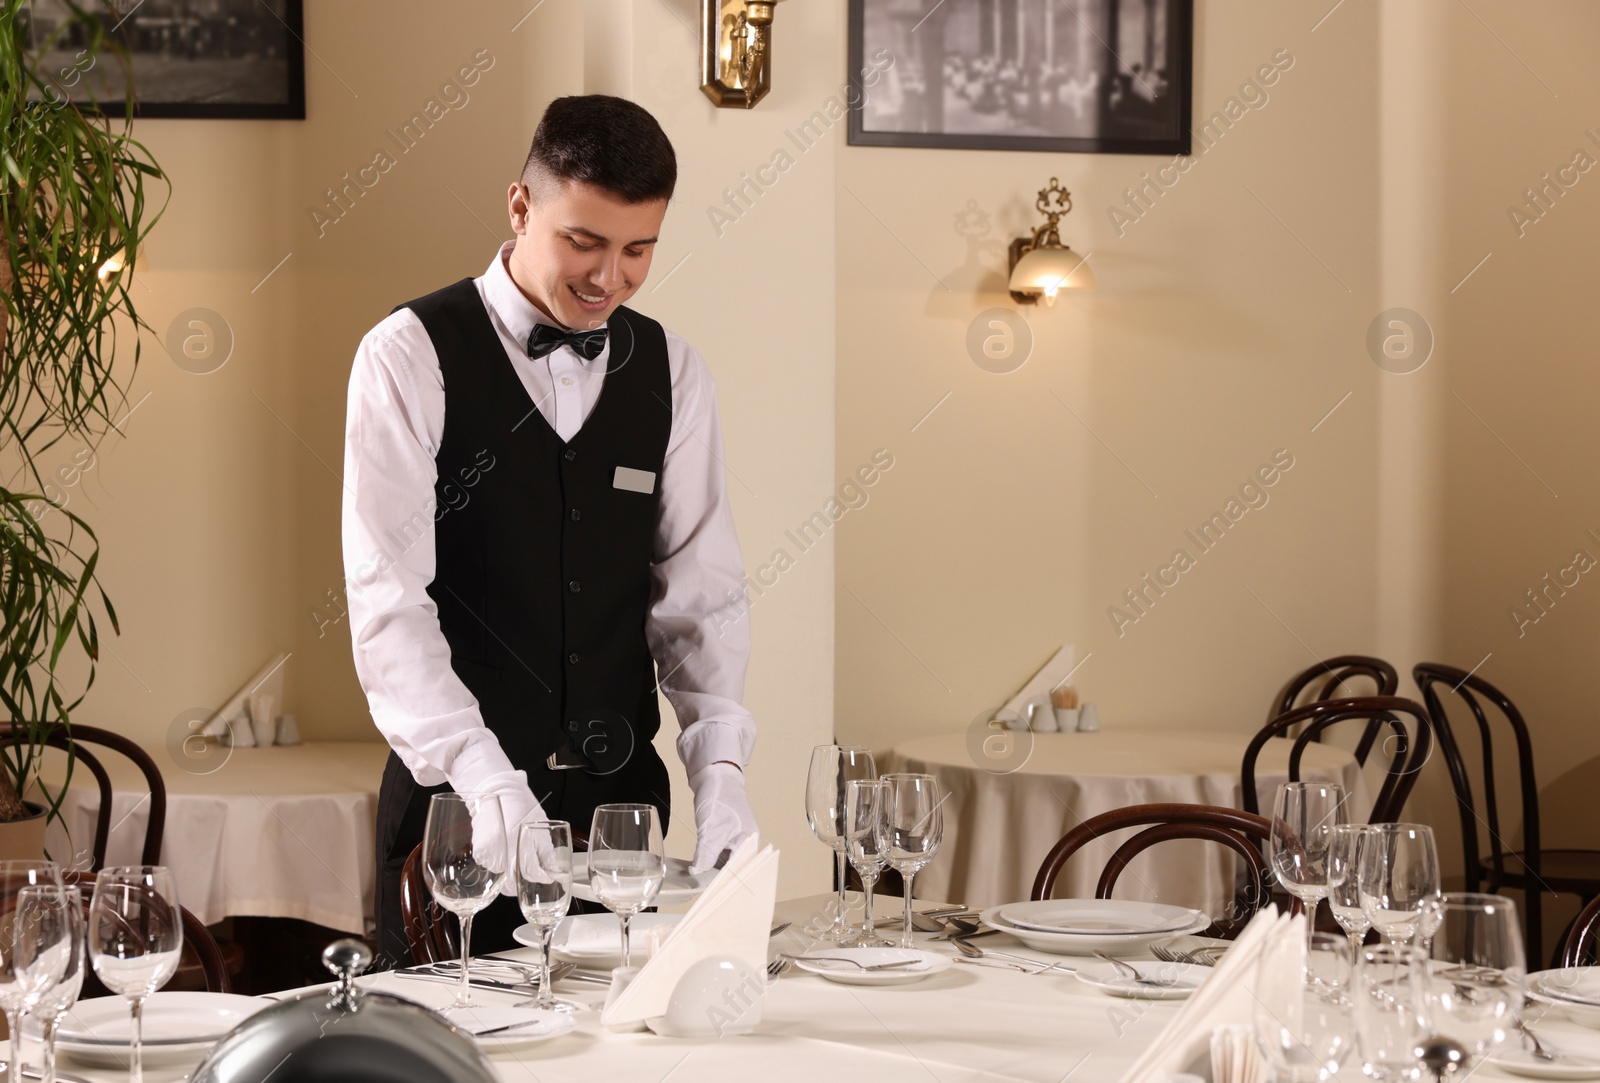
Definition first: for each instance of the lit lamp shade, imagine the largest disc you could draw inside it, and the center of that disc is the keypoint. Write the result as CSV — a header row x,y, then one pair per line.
x,y
1043,271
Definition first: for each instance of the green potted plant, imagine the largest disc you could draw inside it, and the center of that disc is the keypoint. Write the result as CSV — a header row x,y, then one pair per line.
x,y
74,213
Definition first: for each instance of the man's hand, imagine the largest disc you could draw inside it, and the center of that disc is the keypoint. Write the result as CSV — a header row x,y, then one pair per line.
x,y
495,838
722,814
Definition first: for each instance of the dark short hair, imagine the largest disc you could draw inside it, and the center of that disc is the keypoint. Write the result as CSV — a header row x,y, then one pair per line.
x,y
608,142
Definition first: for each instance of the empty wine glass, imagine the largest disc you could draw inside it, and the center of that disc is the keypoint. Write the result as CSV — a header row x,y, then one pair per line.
x,y
627,863
863,806
1303,818
58,1000
28,955
1303,1027
832,766
135,938
1344,883
462,878
1399,879
1476,974
910,829
544,891
1388,1012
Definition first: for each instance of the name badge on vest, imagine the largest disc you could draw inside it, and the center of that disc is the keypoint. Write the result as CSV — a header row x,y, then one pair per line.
x,y
634,481
599,742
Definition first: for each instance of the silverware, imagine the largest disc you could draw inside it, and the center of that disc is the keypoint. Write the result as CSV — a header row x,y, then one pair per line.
x,y
508,1026
1539,1050
897,965
1133,972
776,929
958,934
979,953
1175,955
782,964
30,1072
925,920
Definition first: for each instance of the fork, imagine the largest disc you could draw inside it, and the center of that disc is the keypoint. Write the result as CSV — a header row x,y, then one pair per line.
x,y
1177,955
1133,972
898,964
973,952
1539,1050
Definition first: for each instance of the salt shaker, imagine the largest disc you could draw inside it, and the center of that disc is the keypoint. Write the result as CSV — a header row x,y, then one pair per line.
x,y
1088,719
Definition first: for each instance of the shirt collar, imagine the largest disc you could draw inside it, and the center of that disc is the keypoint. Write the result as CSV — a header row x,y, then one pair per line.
x,y
512,308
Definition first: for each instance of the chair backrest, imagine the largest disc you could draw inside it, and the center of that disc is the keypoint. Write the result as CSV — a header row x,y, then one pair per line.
x,y
1581,949
432,939
1409,744
197,942
156,823
1241,832
1474,691
1327,679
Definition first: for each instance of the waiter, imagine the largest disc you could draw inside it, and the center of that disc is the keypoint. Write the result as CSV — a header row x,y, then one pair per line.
x,y
536,524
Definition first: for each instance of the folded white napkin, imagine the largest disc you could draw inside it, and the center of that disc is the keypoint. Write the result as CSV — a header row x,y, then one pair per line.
x,y
1227,998
1043,682
733,917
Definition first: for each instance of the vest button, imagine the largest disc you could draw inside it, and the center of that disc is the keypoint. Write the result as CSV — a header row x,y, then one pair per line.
x,y
574,586
569,455
573,657
576,515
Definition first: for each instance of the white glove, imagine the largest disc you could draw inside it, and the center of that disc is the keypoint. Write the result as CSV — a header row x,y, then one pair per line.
x,y
722,815
494,837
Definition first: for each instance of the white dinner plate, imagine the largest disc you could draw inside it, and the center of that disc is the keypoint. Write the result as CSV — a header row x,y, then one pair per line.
x,y
1568,1066
1109,979
681,885
1084,944
1099,917
927,963
1580,984
594,941
169,1019
1552,988
528,1026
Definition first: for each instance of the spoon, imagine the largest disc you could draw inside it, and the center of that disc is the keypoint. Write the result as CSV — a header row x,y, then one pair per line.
x,y
972,952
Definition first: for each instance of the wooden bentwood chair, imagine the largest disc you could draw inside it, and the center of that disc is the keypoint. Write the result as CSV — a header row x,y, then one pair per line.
x,y
1580,949
1242,832
1408,745
200,950
1534,870
1334,674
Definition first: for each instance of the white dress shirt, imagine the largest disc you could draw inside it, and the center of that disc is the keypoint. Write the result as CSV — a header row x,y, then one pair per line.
x,y
393,429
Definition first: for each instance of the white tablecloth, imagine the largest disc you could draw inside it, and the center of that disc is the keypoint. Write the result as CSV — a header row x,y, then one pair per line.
x,y
971,1024
999,825
273,832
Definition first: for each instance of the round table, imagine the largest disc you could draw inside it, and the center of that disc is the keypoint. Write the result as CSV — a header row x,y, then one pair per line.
x,y
1012,795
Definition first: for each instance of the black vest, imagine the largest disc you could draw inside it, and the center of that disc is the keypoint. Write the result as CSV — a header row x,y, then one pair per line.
x,y
543,572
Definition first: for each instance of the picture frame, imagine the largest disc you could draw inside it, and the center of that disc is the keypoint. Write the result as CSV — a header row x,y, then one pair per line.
x,y
1077,76
197,59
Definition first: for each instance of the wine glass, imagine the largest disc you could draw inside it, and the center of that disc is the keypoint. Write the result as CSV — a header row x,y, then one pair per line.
x,y
910,829
544,891
627,863
1388,1011
1303,1026
135,938
1303,818
863,805
1399,879
27,958
1344,883
832,766
1476,974
460,875
57,1001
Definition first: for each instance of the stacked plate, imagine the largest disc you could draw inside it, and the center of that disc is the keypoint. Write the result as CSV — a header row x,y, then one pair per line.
x,y
179,1028
1084,926
594,941
680,885
1575,990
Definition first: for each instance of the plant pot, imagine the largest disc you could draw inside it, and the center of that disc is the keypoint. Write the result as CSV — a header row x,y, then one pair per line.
x,y
23,840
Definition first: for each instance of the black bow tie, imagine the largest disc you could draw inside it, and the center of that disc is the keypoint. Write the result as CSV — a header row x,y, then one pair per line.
x,y
545,338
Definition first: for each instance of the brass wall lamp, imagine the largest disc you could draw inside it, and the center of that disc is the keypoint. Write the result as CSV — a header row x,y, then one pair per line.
x,y
1041,265
736,51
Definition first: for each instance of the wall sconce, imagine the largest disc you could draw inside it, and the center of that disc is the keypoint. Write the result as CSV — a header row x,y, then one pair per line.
x,y
736,51
1042,265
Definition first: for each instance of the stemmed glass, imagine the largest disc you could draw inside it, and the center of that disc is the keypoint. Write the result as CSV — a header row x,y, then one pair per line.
x,y
1399,880
1303,818
910,829
1476,976
863,807
1388,1011
627,863
1344,883
31,960
1303,1027
462,877
544,891
53,1006
135,938
832,766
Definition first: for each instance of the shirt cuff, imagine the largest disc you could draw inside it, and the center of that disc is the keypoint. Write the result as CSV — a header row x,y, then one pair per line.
x,y
707,742
480,760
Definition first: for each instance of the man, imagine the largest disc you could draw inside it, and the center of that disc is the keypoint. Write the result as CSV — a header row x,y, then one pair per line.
x,y
536,523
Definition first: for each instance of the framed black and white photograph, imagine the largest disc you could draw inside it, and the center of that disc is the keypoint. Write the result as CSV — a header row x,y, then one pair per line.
x,y
219,59
1087,76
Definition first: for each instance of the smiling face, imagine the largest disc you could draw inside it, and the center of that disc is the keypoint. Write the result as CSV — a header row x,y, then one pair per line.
x,y
580,251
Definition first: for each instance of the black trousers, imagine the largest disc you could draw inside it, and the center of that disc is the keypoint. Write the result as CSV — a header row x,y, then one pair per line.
x,y
564,795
